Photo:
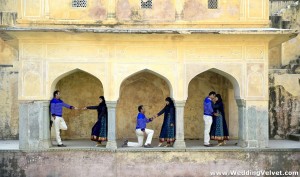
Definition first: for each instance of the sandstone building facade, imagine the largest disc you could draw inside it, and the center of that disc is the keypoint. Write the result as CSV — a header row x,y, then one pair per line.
x,y
136,52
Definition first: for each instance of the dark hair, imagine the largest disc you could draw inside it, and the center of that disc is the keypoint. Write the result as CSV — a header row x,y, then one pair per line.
x,y
55,93
212,93
103,99
171,103
140,108
219,98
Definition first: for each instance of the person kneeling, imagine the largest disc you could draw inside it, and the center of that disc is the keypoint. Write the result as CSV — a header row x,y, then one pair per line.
x,y
141,130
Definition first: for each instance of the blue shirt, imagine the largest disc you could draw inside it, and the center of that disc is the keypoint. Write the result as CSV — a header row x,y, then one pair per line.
x,y
207,107
141,121
56,106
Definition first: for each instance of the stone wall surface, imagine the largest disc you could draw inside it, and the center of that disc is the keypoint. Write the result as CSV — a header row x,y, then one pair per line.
x,y
284,75
80,163
284,104
9,117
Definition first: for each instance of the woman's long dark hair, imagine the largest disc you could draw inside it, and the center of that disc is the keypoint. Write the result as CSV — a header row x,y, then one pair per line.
x,y
171,102
103,100
103,103
220,100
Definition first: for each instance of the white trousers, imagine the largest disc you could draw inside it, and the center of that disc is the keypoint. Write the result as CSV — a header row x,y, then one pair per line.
x,y
59,123
140,135
207,125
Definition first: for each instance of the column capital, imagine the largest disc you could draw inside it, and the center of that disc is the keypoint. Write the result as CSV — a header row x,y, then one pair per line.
x,y
241,102
111,104
180,103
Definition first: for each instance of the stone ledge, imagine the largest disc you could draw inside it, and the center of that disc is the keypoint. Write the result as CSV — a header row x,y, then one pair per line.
x,y
123,150
154,30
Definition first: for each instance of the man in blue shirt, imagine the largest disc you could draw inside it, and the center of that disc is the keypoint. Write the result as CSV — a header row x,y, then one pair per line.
x,y
56,107
207,116
141,130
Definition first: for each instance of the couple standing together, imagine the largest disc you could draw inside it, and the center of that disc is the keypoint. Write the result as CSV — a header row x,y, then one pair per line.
x,y
99,130
215,127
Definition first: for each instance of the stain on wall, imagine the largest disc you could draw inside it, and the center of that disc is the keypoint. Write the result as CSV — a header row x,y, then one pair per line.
x,y
284,113
195,10
79,89
129,10
199,87
95,10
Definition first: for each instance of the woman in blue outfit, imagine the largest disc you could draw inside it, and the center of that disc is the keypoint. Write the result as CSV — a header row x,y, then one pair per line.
x,y
167,133
99,130
219,130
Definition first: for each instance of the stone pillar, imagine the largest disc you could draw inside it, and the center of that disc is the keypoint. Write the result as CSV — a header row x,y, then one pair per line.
x,y
179,8
242,122
111,13
253,124
111,143
179,143
34,125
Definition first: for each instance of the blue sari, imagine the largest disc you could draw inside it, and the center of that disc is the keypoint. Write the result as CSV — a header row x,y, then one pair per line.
x,y
168,132
99,130
219,130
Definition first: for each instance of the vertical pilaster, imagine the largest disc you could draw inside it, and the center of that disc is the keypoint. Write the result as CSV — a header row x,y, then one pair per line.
x,y
46,7
111,143
111,13
242,122
34,125
179,143
179,9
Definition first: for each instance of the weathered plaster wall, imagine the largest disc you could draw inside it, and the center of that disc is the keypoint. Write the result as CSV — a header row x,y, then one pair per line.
x,y
8,5
9,109
195,10
130,13
79,89
284,76
9,118
95,10
128,164
284,104
162,10
7,54
291,48
199,88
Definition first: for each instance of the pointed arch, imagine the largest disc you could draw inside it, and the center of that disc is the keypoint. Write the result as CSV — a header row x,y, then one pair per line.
x,y
151,72
58,78
232,79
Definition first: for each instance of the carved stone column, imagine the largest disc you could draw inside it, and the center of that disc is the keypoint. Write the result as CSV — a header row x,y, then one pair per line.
x,y
34,125
179,143
111,143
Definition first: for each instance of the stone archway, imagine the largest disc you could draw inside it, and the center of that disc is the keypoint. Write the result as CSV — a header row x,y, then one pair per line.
x,y
146,88
79,89
198,89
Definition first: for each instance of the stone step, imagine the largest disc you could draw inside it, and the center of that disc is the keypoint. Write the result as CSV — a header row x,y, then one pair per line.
x,y
295,137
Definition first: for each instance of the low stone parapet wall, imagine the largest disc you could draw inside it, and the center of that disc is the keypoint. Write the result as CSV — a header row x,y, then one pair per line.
x,y
120,163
